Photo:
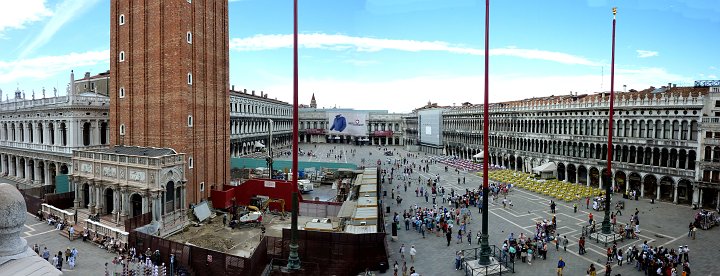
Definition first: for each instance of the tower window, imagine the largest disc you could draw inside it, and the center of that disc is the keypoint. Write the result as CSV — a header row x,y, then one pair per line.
x,y
190,121
122,129
202,184
122,19
122,56
189,1
121,92
190,162
190,78
189,37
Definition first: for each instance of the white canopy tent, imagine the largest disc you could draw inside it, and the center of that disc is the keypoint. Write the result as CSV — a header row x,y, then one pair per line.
x,y
259,144
479,156
546,170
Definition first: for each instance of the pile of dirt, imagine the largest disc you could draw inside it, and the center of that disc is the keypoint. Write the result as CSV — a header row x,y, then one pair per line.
x,y
211,241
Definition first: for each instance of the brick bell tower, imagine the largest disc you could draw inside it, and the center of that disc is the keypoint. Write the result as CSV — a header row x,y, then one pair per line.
x,y
169,84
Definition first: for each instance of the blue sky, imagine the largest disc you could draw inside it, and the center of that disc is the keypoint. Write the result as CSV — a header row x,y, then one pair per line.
x,y
399,54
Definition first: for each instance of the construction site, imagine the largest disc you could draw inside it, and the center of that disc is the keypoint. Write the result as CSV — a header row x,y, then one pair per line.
x,y
252,221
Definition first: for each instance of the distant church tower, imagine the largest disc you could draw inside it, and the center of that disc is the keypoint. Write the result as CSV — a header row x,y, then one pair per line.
x,y
313,104
169,84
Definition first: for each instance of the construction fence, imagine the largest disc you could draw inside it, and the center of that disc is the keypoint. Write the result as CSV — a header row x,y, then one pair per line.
x,y
201,261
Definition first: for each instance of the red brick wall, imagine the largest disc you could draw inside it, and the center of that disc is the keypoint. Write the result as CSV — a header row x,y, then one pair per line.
x,y
158,99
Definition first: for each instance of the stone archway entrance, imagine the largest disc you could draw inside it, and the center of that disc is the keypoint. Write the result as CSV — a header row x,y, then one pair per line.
x,y
594,177
561,171
620,179
650,186
519,163
571,173
582,175
667,185
169,205
635,179
684,191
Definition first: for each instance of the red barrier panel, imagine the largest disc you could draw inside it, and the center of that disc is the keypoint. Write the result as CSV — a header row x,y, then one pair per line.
x,y
275,189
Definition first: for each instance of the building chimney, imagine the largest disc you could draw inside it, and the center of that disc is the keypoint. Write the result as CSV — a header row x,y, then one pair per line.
x,y
669,84
261,93
253,92
87,75
244,91
233,87
674,85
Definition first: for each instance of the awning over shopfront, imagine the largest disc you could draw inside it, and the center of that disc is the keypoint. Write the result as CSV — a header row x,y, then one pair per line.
x,y
259,144
480,155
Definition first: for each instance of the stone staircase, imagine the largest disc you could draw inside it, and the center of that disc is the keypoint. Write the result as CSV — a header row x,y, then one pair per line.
x,y
66,234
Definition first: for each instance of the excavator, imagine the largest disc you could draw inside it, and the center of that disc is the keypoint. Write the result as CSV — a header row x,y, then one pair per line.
x,y
261,203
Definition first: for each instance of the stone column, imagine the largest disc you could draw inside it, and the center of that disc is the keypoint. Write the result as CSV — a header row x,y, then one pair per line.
x,y
627,183
58,133
183,200
36,172
696,195
3,164
123,203
642,189
115,193
675,193
100,202
78,193
157,207
700,197
144,203
28,170
48,181
588,178
91,193
36,134
657,192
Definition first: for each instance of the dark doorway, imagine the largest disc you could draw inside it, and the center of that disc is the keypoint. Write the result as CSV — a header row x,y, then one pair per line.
x,y
86,195
136,205
108,201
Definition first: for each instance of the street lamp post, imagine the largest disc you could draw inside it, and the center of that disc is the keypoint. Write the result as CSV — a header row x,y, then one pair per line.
x,y
294,258
269,158
606,227
484,243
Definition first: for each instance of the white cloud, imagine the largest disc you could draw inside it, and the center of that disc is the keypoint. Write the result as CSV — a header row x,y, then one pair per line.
x,y
18,14
65,11
712,68
712,76
361,62
646,54
41,68
410,93
368,44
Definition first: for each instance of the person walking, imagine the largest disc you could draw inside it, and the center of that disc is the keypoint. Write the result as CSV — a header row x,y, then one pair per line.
x,y
581,245
402,251
413,252
529,255
608,269
560,267
46,254
469,236
55,261
458,260
557,242
448,236
591,270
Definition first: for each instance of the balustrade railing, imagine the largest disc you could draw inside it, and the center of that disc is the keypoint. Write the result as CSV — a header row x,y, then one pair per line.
x,y
106,231
52,210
